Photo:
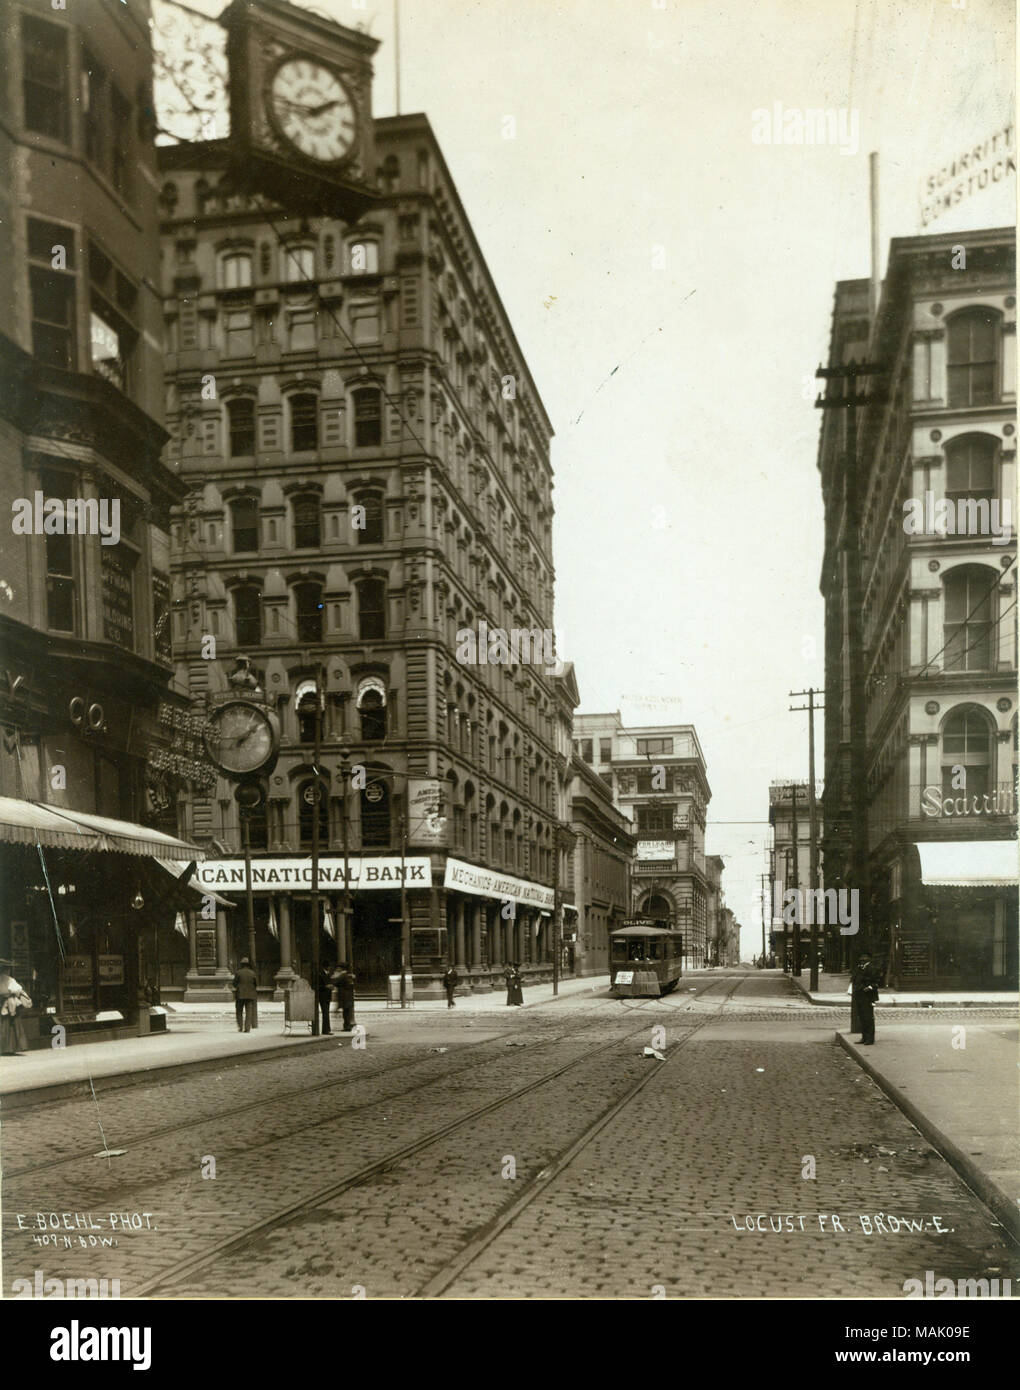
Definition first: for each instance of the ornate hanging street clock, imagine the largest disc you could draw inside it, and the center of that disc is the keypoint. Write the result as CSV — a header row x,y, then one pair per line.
x,y
242,738
300,108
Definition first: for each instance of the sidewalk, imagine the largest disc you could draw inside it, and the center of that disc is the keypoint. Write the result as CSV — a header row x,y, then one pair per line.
x,y
491,1002
832,989
204,1036
962,1099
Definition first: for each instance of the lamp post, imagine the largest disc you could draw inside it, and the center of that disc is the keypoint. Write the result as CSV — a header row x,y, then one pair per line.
x,y
345,767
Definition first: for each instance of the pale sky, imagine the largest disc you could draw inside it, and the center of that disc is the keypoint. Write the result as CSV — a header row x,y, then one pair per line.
x,y
670,282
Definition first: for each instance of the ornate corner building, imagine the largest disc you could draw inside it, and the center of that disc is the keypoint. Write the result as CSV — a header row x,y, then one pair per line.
x,y
936,478
366,459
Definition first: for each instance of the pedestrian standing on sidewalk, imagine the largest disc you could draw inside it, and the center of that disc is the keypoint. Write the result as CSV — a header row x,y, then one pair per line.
x,y
864,984
450,982
325,993
508,975
516,989
345,994
12,998
246,987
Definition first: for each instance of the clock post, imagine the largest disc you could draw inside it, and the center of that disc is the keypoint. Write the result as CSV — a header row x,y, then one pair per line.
x,y
249,794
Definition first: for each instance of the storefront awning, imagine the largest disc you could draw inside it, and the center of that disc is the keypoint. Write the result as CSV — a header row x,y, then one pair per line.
x,y
968,863
178,869
34,823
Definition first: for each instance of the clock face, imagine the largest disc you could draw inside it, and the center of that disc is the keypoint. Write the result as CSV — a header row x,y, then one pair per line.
x,y
313,109
241,737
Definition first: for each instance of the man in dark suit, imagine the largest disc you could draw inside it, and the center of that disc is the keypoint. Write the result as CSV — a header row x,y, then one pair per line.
x,y
450,981
345,994
245,993
864,984
325,993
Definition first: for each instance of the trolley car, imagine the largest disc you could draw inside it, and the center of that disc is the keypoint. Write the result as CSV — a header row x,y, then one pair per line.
x,y
645,957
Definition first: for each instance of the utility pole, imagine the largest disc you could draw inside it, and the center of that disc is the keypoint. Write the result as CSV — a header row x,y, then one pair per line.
x,y
795,882
765,907
850,402
317,792
405,931
556,910
813,821
348,947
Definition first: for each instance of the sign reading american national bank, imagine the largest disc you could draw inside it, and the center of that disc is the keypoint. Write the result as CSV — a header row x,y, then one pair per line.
x,y
274,875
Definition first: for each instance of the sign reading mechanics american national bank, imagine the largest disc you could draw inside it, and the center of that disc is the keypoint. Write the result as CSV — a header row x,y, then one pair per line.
x,y
468,878
274,875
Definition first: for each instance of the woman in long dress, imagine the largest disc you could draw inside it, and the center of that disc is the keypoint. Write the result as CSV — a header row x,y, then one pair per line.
x,y
12,997
515,987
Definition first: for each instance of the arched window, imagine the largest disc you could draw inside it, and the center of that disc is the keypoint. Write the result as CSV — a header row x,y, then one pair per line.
x,y
372,531
973,357
967,743
306,812
367,417
371,705
307,526
970,469
244,524
363,258
656,906
235,270
297,263
309,612
967,633
241,417
247,617
304,423
258,828
371,608
375,814
306,707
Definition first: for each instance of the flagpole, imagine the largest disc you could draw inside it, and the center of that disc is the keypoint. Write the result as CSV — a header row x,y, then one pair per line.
x,y
396,49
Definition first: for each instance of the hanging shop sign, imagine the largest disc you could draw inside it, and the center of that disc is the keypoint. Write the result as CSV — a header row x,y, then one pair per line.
x,y
656,849
276,875
468,878
425,824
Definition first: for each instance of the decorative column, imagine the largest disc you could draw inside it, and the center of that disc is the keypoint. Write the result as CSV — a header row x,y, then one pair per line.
x,y
458,923
285,974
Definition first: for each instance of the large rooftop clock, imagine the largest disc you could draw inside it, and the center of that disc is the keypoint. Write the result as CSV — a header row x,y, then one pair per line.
x,y
300,108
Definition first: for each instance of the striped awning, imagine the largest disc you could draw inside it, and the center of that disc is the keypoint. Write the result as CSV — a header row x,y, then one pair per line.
x,y
35,823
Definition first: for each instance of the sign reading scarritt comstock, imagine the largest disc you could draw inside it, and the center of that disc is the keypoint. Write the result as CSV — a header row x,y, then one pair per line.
x,y
275,875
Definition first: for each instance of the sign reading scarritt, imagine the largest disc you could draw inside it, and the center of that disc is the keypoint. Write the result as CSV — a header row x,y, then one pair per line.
x,y
990,162
273,875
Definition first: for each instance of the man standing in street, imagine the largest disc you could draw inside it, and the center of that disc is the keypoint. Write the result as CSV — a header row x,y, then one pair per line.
x,y
450,981
245,993
863,998
325,994
345,994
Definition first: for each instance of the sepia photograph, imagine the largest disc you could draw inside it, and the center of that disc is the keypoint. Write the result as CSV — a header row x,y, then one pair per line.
x,y
508,666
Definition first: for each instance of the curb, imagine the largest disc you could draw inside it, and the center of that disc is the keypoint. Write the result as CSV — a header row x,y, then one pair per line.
x,y
995,1199
934,1002
80,1087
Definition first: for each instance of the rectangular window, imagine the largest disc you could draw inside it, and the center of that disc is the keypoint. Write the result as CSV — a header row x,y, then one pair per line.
x,y
304,423
120,142
109,345
367,419
605,750
658,818
297,263
306,523
302,330
52,317
647,747
238,340
45,85
585,749
95,99
60,599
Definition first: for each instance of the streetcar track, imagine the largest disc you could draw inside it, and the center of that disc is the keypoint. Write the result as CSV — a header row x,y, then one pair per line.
x,y
229,1244
284,1097
479,1243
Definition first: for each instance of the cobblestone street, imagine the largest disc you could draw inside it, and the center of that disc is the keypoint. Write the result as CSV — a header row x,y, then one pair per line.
x,y
538,1154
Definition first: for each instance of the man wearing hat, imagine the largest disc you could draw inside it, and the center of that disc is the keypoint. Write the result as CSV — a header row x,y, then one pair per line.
x,y
864,987
12,998
245,993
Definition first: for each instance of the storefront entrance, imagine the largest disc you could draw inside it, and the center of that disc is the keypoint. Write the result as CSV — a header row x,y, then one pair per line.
x,y
376,941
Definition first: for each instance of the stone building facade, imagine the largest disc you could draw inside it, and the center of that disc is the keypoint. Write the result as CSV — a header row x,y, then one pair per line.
x,y
936,467
367,467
